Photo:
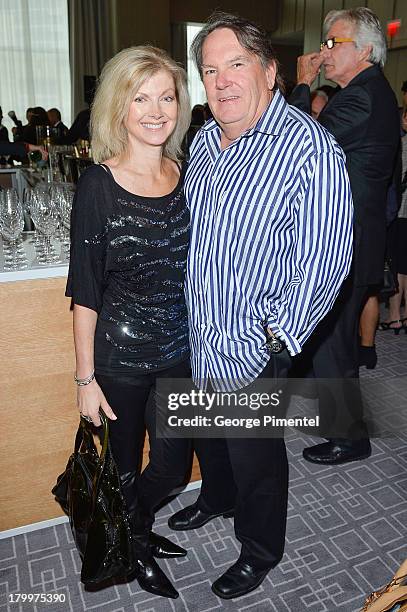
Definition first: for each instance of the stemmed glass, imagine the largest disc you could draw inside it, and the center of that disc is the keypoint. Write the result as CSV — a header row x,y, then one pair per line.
x,y
65,208
44,212
11,227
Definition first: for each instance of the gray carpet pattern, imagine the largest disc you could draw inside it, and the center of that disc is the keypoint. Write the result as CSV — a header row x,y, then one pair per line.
x,y
346,534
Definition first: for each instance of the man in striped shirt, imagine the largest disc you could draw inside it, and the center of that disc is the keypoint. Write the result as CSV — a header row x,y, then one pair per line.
x,y
271,243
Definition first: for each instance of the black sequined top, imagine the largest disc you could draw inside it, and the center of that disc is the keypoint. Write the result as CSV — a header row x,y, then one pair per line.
x,y
128,258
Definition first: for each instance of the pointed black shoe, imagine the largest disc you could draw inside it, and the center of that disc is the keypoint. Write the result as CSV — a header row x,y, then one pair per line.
x,y
335,453
241,578
192,517
151,578
163,548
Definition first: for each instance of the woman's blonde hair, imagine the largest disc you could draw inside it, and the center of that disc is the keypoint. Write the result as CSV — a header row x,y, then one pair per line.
x,y
119,81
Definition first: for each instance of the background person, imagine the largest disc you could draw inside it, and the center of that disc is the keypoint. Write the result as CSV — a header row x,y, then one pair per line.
x,y
130,231
54,117
319,99
363,117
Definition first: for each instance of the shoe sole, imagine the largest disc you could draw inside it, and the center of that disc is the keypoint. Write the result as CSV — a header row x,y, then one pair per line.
x,y
252,588
229,514
360,458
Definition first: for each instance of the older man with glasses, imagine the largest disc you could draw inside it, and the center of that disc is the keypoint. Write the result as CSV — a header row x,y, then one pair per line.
x,y
363,117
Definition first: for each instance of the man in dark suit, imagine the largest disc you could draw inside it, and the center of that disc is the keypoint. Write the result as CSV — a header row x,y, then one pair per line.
x,y
55,121
363,117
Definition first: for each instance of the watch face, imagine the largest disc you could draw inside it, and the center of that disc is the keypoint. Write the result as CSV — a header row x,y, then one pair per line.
x,y
274,345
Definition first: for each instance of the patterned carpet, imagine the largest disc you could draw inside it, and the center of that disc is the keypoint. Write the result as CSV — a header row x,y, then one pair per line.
x,y
346,534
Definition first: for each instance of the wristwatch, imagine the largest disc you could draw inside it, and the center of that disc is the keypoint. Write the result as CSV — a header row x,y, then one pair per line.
x,y
274,345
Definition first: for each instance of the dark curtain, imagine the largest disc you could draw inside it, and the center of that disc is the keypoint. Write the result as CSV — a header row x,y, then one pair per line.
x,y
90,43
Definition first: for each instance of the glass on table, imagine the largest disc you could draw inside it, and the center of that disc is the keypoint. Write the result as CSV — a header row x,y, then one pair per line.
x,y
44,212
11,227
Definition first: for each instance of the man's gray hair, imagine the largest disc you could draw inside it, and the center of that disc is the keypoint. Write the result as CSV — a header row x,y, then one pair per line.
x,y
250,36
368,31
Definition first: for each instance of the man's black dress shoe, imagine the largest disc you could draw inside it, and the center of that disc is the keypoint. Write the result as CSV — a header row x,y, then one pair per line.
x,y
192,517
241,578
335,453
163,548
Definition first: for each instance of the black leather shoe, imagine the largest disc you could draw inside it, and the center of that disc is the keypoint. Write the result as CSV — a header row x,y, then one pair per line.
x,y
192,517
163,548
150,576
334,453
241,578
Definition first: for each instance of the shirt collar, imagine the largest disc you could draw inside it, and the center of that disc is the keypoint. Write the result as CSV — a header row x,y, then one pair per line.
x,y
271,122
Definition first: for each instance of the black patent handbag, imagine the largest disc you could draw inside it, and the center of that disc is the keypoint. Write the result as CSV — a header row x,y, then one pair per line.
x,y
89,493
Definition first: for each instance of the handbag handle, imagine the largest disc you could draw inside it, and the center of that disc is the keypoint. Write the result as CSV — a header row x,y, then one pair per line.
x,y
84,434
103,454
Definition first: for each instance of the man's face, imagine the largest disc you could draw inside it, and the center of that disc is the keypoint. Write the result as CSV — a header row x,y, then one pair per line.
x,y
344,61
237,85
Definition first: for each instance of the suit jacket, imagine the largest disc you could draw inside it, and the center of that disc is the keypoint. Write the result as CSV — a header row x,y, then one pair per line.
x,y
364,118
79,128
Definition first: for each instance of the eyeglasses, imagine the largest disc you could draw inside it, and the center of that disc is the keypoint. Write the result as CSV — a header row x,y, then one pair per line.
x,y
331,42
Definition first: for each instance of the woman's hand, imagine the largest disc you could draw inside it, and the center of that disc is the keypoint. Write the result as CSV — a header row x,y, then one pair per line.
x,y
44,152
90,398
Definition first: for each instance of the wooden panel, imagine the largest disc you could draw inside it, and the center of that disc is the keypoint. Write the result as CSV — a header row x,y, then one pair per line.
x,y
288,17
395,70
299,16
384,10
312,25
390,68
401,13
354,3
38,415
198,11
401,74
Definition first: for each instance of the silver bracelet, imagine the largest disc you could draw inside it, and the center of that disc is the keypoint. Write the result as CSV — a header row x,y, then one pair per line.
x,y
82,382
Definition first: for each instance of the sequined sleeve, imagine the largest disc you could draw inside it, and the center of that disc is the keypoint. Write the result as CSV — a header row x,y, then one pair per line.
x,y
86,280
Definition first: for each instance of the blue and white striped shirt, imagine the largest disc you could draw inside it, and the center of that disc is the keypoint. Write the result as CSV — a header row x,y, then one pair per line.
x,y
271,241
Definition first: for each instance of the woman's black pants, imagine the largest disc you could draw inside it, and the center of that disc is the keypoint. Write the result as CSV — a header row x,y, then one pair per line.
x,y
132,399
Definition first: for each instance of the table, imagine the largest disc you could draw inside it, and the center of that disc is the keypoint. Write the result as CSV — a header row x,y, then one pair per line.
x,y
38,414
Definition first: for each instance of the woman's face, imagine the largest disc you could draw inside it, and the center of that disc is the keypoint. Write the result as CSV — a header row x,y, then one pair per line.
x,y
152,115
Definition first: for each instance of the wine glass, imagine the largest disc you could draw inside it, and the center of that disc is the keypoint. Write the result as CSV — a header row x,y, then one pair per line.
x,y
11,227
44,212
65,209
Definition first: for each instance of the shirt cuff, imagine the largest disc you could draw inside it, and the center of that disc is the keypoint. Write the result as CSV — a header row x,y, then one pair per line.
x,y
292,344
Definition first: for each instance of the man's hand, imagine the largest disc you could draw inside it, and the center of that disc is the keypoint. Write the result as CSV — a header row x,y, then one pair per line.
x,y
308,68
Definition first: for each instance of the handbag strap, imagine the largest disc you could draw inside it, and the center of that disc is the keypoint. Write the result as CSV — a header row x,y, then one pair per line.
x,y
102,457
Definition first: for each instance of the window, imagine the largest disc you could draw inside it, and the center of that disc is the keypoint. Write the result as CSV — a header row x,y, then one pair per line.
x,y
195,87
34,57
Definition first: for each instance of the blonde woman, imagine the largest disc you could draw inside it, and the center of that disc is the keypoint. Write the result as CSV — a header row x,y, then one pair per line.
x,y
130,231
